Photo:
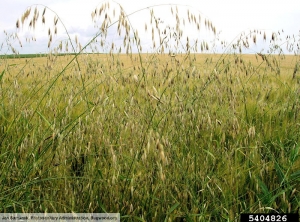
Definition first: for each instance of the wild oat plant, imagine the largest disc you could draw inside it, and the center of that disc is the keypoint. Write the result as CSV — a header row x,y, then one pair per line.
x,y
155,125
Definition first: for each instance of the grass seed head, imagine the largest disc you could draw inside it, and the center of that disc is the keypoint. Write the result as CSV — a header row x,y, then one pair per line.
x,y
44,11
18,24
55,20
273,36
251,132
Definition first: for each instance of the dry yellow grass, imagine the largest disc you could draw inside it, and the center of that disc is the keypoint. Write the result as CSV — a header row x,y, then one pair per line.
x,y
131,62
155,137
161,129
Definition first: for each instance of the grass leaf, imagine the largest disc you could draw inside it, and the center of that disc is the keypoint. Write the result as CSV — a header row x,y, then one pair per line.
x,y
2,74
280,174
294,154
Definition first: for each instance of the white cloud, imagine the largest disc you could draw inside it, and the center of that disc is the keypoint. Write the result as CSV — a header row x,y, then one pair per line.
x,y
231,17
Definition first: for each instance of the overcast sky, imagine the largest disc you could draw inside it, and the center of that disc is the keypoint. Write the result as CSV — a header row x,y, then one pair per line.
x,y
230,17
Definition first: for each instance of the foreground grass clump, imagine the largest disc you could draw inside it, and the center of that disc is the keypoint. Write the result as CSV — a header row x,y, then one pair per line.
x,y
151,148
171,135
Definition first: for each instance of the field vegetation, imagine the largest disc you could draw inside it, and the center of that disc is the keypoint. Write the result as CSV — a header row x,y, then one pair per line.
x,y
186,135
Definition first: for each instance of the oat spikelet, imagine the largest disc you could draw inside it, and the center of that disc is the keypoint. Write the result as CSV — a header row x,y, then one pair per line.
x,y
60,46
22,19
254,39
100,11
251,132
206,46
25,15
33,23
44,11
76,39
160,148
273,36
35,11
161,173
55,20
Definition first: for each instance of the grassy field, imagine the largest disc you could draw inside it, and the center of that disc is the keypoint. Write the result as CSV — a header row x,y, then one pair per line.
x,y
164,136
202,137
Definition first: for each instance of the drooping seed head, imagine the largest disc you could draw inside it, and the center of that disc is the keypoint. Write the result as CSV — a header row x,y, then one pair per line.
x,y
18,24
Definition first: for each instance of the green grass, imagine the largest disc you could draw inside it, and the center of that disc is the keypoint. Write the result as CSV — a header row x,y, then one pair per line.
x,y
228,149
198,137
